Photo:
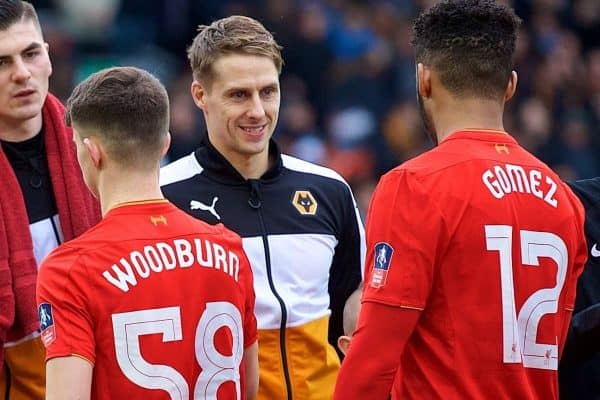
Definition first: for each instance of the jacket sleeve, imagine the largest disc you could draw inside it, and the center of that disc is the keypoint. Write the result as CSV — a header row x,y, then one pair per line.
x,y
348,264
582,339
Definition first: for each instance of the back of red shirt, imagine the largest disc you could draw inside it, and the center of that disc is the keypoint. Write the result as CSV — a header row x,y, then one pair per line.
x,y
160,302
488,242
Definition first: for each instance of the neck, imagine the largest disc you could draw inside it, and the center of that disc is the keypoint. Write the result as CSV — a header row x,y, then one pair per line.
x,y
19,131
122,186
470,113
252,167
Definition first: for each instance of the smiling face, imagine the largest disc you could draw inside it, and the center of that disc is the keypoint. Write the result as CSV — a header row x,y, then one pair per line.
x,y
241,106
24,72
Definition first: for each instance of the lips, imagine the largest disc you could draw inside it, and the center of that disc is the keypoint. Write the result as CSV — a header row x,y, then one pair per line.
x,y
254,130
24,93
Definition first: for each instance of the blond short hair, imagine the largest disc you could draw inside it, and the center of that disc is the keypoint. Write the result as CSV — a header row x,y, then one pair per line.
x,y
232,35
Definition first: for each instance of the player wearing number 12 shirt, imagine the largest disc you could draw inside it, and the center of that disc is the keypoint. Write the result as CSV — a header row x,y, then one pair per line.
x,y
150,303
473,248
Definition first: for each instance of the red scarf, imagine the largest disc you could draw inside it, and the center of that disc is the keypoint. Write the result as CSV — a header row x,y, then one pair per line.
x,y
77,210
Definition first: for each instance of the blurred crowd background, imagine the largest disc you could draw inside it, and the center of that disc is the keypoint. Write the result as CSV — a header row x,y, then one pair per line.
x,y
348,86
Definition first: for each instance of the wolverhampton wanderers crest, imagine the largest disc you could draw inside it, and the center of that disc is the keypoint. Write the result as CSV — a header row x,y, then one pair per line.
x,y
304,202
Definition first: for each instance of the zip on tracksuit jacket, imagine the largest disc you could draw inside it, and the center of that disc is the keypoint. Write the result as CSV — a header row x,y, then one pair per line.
x,y
305,241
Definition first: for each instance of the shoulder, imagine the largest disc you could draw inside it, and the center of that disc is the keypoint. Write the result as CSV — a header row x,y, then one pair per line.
x,y
328,183
309,169
62,256
56,270
412,185
180,170
65,256
424,164
588,191
218,232
400,180
415,168
224,235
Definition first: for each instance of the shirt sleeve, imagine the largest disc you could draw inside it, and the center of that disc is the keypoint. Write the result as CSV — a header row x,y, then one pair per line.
x,y
347,265
363,375
65,322
584,327
582,341
405,234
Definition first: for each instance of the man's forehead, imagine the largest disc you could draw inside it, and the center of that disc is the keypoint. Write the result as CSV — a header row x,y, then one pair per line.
x,y
259,80
20,35
245,71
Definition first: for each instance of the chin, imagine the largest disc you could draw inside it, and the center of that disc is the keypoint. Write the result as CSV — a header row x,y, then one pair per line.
x,y
29,112
258,148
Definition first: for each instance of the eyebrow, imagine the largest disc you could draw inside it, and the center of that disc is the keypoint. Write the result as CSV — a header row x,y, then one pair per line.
x,y
273,85
32,46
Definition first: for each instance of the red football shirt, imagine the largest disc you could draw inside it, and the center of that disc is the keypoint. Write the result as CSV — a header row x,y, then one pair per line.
x,y
160,302
486,243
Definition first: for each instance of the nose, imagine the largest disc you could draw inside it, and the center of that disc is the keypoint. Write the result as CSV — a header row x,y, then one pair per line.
x,y
256,107
20,71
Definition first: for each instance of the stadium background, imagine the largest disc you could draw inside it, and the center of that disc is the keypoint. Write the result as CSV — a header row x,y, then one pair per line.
x,y
348,89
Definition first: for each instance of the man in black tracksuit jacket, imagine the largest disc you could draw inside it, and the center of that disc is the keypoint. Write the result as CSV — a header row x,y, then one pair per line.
x,y
298,221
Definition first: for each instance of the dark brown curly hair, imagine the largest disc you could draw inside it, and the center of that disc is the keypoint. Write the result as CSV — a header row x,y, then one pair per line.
x,y
470,44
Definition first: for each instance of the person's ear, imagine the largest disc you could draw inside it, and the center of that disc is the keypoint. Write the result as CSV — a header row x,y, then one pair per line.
x,y
423,81
94,150
343,343
166,145
199,93
47,46
511,86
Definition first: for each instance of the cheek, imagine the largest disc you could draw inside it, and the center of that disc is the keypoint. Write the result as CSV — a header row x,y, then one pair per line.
x,y
44,67
271,107
273,112
233,114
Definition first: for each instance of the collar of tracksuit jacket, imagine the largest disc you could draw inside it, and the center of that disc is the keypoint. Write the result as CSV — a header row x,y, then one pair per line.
x,y
216,167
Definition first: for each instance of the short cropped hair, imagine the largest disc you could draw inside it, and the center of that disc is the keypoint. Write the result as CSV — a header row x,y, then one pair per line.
x,y
128,109
14,11
232,35
470,44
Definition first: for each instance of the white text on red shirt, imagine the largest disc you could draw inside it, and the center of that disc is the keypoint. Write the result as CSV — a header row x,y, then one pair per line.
x,y
505,179
163,256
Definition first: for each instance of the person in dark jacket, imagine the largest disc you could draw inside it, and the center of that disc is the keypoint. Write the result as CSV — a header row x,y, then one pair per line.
x,y
579,369
299,221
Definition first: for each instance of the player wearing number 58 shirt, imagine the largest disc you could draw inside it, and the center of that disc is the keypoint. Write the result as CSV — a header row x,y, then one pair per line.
x,y
161,304
150,303
474,247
